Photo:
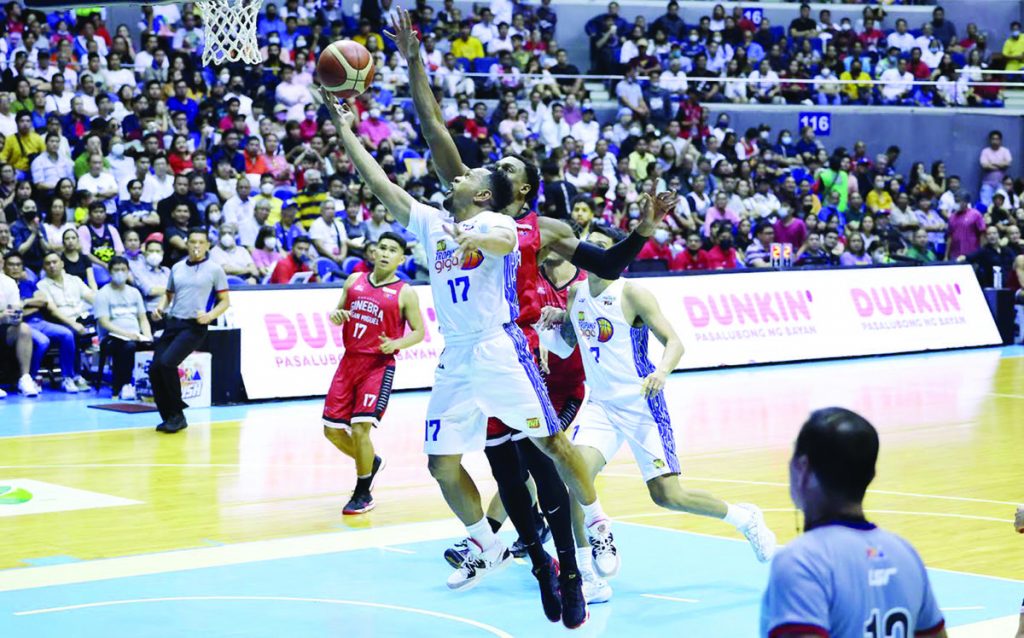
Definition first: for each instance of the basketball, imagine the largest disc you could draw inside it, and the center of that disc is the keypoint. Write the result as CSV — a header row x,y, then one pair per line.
x,y
345,68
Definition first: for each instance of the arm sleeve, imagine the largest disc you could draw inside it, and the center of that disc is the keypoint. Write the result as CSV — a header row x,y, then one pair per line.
x,y
796,598
608,264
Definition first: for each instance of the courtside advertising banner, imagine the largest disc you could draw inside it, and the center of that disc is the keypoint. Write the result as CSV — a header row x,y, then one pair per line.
x,y
745,318
290,348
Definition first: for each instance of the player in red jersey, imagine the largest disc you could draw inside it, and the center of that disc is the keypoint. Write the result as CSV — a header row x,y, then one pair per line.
x,y
374,309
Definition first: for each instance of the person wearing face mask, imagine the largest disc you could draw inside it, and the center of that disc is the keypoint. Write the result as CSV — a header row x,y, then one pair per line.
x,y
231,256
1013,49
373,130
817,582
123,326
790,228
266,252
693,257
829,92
149,274
658,247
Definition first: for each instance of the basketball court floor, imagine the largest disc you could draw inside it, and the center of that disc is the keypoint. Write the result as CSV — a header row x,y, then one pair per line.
x,y
233,527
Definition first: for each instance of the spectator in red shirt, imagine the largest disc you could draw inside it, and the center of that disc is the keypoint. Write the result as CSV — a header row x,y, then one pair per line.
x,y
722,255
790,229
657,247
694,257
917,67
871,35
966,228
297,261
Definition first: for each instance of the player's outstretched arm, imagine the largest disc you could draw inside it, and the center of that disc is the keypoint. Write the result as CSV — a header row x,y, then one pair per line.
x,y
435,132
396,200
607,264
409,304
646,307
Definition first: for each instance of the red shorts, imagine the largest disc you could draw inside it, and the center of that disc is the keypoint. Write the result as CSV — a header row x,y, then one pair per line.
x,y
360,390
498,432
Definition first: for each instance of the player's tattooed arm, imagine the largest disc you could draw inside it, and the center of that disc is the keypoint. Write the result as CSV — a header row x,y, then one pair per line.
x,y
569,333
442,147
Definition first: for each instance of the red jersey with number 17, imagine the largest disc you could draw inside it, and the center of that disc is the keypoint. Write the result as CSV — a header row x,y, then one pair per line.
x,y
373,311
528,275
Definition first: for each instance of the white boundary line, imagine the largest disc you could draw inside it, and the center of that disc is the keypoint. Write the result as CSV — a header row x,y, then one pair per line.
x,y
671,598
330,601
239,553
1001,521
942,497
741,540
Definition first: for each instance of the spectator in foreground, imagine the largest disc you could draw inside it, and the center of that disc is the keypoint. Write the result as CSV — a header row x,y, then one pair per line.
x,y
693,257
818,582
123,327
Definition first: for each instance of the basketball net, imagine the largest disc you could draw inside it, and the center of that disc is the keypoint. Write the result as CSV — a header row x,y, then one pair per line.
x,y
230,31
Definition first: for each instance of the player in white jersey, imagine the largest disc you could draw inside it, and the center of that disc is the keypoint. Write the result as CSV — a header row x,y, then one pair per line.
x,y
610,321
844,577
486,368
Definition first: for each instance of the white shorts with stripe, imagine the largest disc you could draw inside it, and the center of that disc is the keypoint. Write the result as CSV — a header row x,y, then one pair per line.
x,y
642,423
492,376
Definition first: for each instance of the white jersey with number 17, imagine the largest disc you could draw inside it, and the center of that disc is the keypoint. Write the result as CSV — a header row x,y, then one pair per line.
x,y
473,296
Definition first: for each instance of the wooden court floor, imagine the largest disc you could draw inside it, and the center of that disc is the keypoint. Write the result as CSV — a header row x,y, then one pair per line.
x,y
949,475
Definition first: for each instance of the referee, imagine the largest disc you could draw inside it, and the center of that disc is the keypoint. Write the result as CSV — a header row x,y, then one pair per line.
x,y
189,286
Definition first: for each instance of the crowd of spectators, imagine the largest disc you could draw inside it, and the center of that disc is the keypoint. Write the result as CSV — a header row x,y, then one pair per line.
x,y
112,152
726,57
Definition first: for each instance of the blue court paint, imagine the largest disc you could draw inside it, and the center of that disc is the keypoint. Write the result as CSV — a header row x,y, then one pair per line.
x,y
720,574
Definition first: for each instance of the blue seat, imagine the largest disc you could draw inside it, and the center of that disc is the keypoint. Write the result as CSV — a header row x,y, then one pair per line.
x,y
409,267
410,154
817,44
101,274
959,59
349,265
463,63
325,269
778,32
234,280
483,65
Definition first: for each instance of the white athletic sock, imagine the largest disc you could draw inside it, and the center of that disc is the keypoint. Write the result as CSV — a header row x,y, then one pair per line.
x,y
584,559
738,517
482,534
364,476
592,512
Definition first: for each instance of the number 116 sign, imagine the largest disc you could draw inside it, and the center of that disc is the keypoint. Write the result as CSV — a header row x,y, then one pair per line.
x,y
820,123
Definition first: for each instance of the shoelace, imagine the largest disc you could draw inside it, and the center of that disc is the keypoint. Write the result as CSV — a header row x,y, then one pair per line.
x,y
603,545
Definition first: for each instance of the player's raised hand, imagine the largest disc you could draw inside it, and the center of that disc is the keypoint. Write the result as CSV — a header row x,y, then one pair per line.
x,y
551,317
387,346
654,209
653,384
339,316
341,114
402,34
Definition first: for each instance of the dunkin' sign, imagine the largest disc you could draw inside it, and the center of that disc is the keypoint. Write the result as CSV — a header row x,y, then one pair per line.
x,y
290,347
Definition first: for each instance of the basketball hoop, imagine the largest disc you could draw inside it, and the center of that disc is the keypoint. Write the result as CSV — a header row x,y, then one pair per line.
x,y
230,31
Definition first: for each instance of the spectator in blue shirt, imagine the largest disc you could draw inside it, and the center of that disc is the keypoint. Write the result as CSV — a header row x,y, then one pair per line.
x,y
180,101
287,230
270,22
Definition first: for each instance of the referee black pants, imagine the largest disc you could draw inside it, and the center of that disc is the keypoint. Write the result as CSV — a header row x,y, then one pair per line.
x,y
180,338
